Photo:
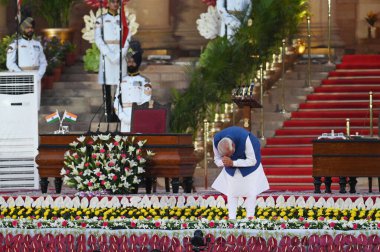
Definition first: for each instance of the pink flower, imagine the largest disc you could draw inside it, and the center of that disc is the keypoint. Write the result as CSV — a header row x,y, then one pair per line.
x,y
157,224
301,218
100,218
133,224
83,224
126,169
81,173
184,225
321,218
138,157
102,182
114,178
138,151
76,156
89,183
283,226
378,224
14,223
67,171
123,155
354,226
111,163
77,217
122,217
211,224
345,218
105,224
64,223
102,150
149,217
98,174
231,225
93,156
307,225
86,164
90,142
97,163
39,224
116,143
54,218
332,224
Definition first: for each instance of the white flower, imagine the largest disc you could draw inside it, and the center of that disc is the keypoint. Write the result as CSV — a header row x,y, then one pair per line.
x,y
140,170
150,153
104,137
83,149
94,138
63,172
87,172
78,179
141,143
209,23
131,149
81,139
110,146
136,180
117,138
73,144
132,163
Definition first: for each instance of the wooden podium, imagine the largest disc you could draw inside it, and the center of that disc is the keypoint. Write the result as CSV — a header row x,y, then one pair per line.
x,y
174,158
246,103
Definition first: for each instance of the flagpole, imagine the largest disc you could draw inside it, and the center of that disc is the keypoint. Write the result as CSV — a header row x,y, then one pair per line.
x,y
18,20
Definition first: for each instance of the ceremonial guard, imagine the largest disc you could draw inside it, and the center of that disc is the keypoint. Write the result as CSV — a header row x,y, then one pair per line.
x,y
229,11
107,39
26,54
134,88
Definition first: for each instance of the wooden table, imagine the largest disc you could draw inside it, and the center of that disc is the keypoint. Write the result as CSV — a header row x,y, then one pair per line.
x,y
358,157
174,158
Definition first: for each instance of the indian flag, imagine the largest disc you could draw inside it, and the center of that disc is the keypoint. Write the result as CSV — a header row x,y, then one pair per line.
x,y
52,117
70,117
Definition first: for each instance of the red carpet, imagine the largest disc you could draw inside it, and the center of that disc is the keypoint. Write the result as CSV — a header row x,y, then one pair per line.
x,y
287,157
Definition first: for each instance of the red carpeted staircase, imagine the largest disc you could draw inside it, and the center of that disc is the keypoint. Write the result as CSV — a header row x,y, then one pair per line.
x,y
287,157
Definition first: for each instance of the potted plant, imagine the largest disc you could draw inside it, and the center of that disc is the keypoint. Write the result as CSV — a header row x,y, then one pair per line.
x,y
371,19
57,15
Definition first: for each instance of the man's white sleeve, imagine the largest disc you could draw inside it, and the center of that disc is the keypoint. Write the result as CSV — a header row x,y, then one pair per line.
x,y
42,62
104,49
11,58
249,154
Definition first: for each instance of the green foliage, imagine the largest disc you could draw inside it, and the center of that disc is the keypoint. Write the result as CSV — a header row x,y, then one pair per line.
x,y
4,43
225,64
91,59
55,12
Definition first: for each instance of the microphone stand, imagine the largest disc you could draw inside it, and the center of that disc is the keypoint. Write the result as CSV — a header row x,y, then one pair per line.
x,y
18,20
104,88
120,60
92,119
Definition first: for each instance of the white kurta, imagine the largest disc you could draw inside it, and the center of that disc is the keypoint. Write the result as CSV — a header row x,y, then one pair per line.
x,y
237,185
109,47
31,57
133,89
228,10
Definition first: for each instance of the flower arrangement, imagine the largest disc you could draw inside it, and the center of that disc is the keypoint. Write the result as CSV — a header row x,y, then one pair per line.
x,y
105,163
371,18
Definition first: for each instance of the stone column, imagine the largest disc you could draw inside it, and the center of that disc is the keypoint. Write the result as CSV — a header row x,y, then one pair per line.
x,y
156,26
3,20
186,14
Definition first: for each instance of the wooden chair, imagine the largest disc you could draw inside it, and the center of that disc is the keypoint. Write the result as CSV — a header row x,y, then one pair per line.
x,y
151,117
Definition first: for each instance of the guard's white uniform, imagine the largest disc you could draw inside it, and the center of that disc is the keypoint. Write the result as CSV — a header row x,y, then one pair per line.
x,y
31,57
228,10
133,89
109,46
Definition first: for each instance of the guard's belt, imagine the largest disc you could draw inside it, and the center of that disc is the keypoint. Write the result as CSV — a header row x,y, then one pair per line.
x,y
113,42
29,68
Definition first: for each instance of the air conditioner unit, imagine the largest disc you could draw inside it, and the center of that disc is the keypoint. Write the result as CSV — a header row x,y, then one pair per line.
x,y
18,130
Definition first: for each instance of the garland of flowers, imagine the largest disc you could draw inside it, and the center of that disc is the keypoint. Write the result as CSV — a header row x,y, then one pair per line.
x,y
105,163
